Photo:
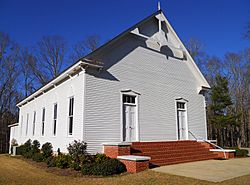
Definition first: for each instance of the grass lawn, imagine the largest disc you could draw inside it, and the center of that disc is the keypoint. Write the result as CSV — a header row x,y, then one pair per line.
x,y
18,171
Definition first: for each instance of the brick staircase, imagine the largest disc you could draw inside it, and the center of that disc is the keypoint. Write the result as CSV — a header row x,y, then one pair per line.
x,y
172,152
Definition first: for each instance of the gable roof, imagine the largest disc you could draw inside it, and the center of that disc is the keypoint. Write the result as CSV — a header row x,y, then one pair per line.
x,y
199,76
87,61
203,82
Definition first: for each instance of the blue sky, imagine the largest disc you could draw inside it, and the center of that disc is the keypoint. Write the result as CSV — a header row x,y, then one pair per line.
x,y
219,24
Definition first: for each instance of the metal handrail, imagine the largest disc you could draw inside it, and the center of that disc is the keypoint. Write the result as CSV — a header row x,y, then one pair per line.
x,y
223,150
193,135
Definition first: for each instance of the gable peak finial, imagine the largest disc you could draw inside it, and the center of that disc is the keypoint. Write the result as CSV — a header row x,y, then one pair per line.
x,y
159,5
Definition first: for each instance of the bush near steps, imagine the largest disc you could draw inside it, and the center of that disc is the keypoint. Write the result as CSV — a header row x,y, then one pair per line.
x,y
77,158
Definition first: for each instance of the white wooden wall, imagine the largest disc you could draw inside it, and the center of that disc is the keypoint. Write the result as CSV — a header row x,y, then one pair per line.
x,y
159,81
129,63
60,95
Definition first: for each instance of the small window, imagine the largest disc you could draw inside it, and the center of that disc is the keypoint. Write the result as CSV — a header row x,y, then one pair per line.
x,y
55,119
71,112
43,121
34,123
180,105
128,99
27,124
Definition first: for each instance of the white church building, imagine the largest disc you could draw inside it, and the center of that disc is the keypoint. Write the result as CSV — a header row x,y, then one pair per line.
x,y
142,85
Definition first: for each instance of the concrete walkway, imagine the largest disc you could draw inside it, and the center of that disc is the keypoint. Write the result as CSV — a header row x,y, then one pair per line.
x,y
210,170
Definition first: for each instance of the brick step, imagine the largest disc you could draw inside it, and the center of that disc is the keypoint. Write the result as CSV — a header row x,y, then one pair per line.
x,y
172,155
157,152
179,158
172,148
182,159
159,146
153,164
181,155
163,142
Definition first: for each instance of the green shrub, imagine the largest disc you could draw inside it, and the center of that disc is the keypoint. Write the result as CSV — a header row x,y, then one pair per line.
x,y
87,169
35,146
51,161
99,158
241,153
27,149
75,166
63,161
105,168
109,167
28,145
77,151
87,159
20,150
28,154
38,157
47,150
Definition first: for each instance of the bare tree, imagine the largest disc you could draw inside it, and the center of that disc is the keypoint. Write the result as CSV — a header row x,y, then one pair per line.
x,y
49,58
8,94
237,67
39,72
87,45
26,76
195,48
8,70
92,42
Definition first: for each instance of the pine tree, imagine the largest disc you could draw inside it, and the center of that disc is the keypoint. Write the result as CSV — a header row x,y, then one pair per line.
x,y
221,117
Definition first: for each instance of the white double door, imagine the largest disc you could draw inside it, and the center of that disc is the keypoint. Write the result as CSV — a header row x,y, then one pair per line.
x,y
182,125
129,123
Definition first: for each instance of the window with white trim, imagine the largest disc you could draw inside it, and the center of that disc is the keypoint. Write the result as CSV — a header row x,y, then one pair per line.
x,y
34,123
43,121
55,119
27,125
128,99
180,105
71,112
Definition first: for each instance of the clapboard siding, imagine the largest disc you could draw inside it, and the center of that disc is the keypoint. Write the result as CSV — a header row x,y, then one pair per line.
x,y
159,80
60,95
147,66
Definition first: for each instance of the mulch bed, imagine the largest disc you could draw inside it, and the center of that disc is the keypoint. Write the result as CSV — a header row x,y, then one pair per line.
x,y
58,171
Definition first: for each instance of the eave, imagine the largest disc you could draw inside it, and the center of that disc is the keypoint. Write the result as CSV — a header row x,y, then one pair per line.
x,y
203,89
82,65
13,125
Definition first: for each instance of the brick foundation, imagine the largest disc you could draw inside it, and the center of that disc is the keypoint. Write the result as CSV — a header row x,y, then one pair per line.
x,y
206,145
114,151
229,155
135,166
